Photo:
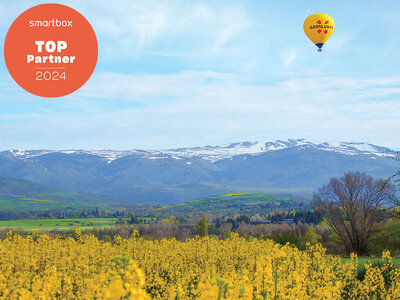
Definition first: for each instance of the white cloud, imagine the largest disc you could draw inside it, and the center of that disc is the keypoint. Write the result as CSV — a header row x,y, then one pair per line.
x,y
277,88
289,57
196,108
135,26
127,28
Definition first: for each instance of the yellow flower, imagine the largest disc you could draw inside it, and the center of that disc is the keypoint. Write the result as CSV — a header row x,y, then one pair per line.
x,y
83,267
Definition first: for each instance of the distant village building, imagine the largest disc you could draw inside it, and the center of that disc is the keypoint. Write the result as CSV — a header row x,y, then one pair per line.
x,y
259,222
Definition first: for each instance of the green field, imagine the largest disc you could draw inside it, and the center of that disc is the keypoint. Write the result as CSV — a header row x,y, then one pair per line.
x,y
18,196
235,203
363,260
63,201
59,224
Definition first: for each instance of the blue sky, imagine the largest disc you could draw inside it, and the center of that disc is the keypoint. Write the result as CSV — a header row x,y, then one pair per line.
x,y
191,73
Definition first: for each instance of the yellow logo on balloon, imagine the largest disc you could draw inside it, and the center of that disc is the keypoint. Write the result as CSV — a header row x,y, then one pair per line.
x,y
318,28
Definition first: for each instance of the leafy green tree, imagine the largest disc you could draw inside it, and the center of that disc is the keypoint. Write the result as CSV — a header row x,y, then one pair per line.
x,y
284,238
389,238
310,236
133,219
203,226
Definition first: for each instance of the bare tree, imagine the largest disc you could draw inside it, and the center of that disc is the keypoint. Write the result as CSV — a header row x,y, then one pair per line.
x,y
226,229
353,206
162,229
395,178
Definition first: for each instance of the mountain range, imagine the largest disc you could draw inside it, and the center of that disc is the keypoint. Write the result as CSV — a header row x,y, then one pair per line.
x,y
183,174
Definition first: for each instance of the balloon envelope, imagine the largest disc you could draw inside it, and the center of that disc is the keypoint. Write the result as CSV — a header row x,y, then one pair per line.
x,y
318,28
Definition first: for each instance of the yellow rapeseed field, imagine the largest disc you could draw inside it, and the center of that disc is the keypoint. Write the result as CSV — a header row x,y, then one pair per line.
x,y
83,267
37,200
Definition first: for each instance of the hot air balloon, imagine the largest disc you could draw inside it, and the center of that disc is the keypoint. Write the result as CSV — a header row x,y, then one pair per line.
x,y
318,28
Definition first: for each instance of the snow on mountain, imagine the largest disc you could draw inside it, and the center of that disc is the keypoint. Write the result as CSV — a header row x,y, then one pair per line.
x,y
215,153
253,148
358,148
109,155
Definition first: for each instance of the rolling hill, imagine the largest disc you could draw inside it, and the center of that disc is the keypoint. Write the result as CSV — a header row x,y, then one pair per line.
x,y
237,203
18,195
184,174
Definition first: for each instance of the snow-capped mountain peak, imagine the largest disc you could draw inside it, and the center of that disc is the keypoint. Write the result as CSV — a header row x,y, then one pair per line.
x,y
215,153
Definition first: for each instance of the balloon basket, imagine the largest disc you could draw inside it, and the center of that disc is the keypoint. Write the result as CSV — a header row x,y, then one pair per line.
x,y
319,50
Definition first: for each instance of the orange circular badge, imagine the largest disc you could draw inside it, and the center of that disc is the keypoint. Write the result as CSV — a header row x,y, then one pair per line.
x,y
51,50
